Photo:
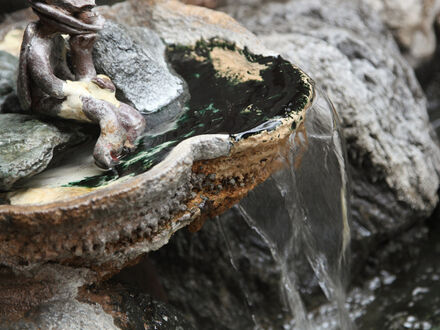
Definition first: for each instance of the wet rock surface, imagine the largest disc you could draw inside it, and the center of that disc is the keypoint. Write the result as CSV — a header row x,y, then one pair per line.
x,y
134,58
393,152
28,145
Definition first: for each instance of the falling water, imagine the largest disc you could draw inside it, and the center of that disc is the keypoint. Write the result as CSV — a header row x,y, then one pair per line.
x,y
313,220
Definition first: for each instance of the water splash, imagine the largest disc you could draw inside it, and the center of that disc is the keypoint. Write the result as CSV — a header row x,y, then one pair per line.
x,y
314,219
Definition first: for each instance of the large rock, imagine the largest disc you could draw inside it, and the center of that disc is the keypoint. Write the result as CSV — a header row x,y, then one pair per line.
x,y
393,152
27,146
134,58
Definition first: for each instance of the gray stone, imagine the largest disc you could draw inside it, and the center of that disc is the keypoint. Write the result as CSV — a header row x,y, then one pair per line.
x,y
393,152
27,146
134,58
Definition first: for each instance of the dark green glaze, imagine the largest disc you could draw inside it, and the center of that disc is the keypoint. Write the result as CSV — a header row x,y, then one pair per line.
x,y
218,104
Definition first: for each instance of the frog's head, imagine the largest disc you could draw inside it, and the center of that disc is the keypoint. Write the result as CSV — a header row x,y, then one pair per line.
x,y
68,16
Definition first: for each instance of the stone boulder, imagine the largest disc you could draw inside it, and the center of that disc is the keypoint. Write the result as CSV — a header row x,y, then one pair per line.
x,y
134,58
28,145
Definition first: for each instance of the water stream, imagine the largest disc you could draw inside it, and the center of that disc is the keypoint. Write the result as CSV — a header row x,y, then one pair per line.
x,y
315,219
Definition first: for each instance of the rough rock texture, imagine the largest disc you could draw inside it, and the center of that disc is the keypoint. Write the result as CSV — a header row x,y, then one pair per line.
x,y
134,59
412,23
393,153
27,146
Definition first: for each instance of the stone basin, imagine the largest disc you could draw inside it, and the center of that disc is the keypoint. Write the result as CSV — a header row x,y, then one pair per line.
x,y
244,103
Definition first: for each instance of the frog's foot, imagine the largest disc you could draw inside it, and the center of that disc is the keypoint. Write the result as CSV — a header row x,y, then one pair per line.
x,y
133,122
114,136
105,153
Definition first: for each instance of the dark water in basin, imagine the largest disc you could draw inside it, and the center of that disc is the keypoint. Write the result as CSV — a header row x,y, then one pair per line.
x,y
218,104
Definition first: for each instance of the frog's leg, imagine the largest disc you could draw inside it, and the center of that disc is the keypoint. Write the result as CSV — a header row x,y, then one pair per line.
x,y
113,137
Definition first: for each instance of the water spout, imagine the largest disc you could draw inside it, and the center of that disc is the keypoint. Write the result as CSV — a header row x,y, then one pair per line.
x,y
312,219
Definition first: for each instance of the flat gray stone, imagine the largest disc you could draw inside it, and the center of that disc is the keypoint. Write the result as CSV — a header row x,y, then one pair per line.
x,y
27,146
134,58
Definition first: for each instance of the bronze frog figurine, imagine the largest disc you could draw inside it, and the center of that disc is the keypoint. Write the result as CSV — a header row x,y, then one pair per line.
x,y
49,85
